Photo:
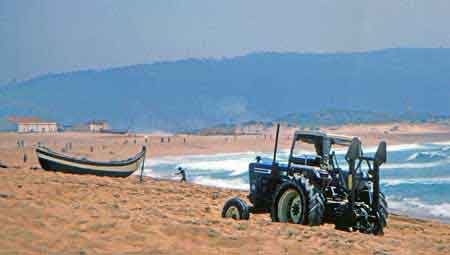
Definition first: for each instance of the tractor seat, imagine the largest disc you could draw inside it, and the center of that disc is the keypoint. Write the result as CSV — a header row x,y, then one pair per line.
x,y
307,160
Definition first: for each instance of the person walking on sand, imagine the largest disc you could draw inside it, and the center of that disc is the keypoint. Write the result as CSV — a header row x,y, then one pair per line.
x,y
182,172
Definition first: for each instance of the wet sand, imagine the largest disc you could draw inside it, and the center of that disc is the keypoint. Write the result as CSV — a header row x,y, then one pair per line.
x,y
53,213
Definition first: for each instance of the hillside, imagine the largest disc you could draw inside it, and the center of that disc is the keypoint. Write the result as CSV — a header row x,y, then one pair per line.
x,y
329,118
195,93
340,117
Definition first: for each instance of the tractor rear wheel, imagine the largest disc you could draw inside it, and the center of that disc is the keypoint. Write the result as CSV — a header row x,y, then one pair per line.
x,y
236,208
383,210
383,205
299,202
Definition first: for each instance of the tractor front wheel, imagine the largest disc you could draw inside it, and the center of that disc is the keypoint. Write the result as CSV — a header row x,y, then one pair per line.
x,y
299,202
236,208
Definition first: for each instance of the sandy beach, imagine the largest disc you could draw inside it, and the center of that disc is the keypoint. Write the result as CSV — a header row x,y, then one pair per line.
x,y
114,147
53,213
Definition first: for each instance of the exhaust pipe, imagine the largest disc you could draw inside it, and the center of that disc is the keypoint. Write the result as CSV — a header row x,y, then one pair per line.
x,y
276,145
275,173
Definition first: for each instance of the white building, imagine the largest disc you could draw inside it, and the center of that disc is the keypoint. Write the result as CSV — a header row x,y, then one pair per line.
x,y
98,125
42,127
34,124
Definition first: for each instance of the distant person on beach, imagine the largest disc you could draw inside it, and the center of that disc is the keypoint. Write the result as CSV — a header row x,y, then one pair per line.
x,y
20,143
182,172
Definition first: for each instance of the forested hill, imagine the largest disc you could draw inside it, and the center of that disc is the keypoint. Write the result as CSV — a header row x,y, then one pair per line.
x,y
195,93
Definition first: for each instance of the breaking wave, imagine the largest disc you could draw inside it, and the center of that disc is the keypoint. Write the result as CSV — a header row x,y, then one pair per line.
x,y
417,207
427,156
422,181
399,147
235,166
442,143
199,157
406,166
236,183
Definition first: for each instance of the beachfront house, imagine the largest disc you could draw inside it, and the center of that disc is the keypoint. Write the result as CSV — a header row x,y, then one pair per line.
x,y
34,124
91,126
98,125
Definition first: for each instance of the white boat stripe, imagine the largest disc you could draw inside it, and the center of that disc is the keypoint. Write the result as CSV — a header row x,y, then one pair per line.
x,y
126,168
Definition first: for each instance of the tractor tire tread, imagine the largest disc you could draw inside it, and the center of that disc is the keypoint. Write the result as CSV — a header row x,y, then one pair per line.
x,y
315,200
244,210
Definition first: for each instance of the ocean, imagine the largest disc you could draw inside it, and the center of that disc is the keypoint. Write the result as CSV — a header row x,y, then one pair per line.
x,y
415,179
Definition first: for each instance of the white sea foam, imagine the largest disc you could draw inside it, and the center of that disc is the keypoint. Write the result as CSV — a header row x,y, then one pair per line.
x,y
442,143
415,165
390,148
236,183
157,161
237,166
196,158
398,147
250,155
424,181
409,166
149,172
418,207
427,156
404,147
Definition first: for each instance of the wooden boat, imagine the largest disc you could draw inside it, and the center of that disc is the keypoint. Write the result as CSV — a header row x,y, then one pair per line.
x,y
53,161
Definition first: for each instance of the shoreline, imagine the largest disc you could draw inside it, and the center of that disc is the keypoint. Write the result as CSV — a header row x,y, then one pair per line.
x,y
397,212
418,216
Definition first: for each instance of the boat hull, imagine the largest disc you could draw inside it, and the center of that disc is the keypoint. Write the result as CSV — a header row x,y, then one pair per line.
x,y
58,163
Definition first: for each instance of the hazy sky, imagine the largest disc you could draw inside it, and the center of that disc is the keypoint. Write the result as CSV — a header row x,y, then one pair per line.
x,y
37,37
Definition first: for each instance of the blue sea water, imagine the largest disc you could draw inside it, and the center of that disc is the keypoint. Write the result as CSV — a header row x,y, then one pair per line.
x,y
416,178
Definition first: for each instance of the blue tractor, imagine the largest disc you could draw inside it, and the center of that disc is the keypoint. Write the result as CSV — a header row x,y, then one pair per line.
x,y
311,188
